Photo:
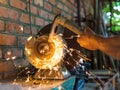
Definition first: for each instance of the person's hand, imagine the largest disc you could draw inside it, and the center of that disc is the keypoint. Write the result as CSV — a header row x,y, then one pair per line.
x,y
88,39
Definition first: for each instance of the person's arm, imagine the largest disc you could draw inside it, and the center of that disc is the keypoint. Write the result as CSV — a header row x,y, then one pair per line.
x,y
92,41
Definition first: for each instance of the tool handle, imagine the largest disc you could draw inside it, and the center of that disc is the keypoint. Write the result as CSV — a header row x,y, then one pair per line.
x,y
69,25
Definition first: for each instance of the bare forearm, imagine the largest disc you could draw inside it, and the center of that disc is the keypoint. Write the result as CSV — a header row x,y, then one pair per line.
x,y
92,41
110,46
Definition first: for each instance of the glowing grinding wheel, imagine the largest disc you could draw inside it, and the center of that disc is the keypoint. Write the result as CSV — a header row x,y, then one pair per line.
x,y
45,54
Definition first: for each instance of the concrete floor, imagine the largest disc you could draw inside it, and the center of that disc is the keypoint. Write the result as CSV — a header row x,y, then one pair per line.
x,y
29,85
21,87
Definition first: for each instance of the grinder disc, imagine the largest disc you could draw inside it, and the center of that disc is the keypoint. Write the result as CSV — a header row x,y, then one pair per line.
x,y
45,54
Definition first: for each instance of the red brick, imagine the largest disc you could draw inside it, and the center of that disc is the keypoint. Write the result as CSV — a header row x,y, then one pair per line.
x,y
31,1
74,8
51,16
47,6
11,54
1,76
6,66
34,31
33,9
10,74
13,27
7,54
1,25
3,12
52,2
7,39
69,17
69,4
56,10
72,1
64,1
38,2
17,52
60,5
13,14
46,23
66,9
18,4
39,21
24,18
26,30
43,13
21,63
22,40
3,1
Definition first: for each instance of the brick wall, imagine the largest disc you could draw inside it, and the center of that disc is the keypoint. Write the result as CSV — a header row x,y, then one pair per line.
x,y
15,28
